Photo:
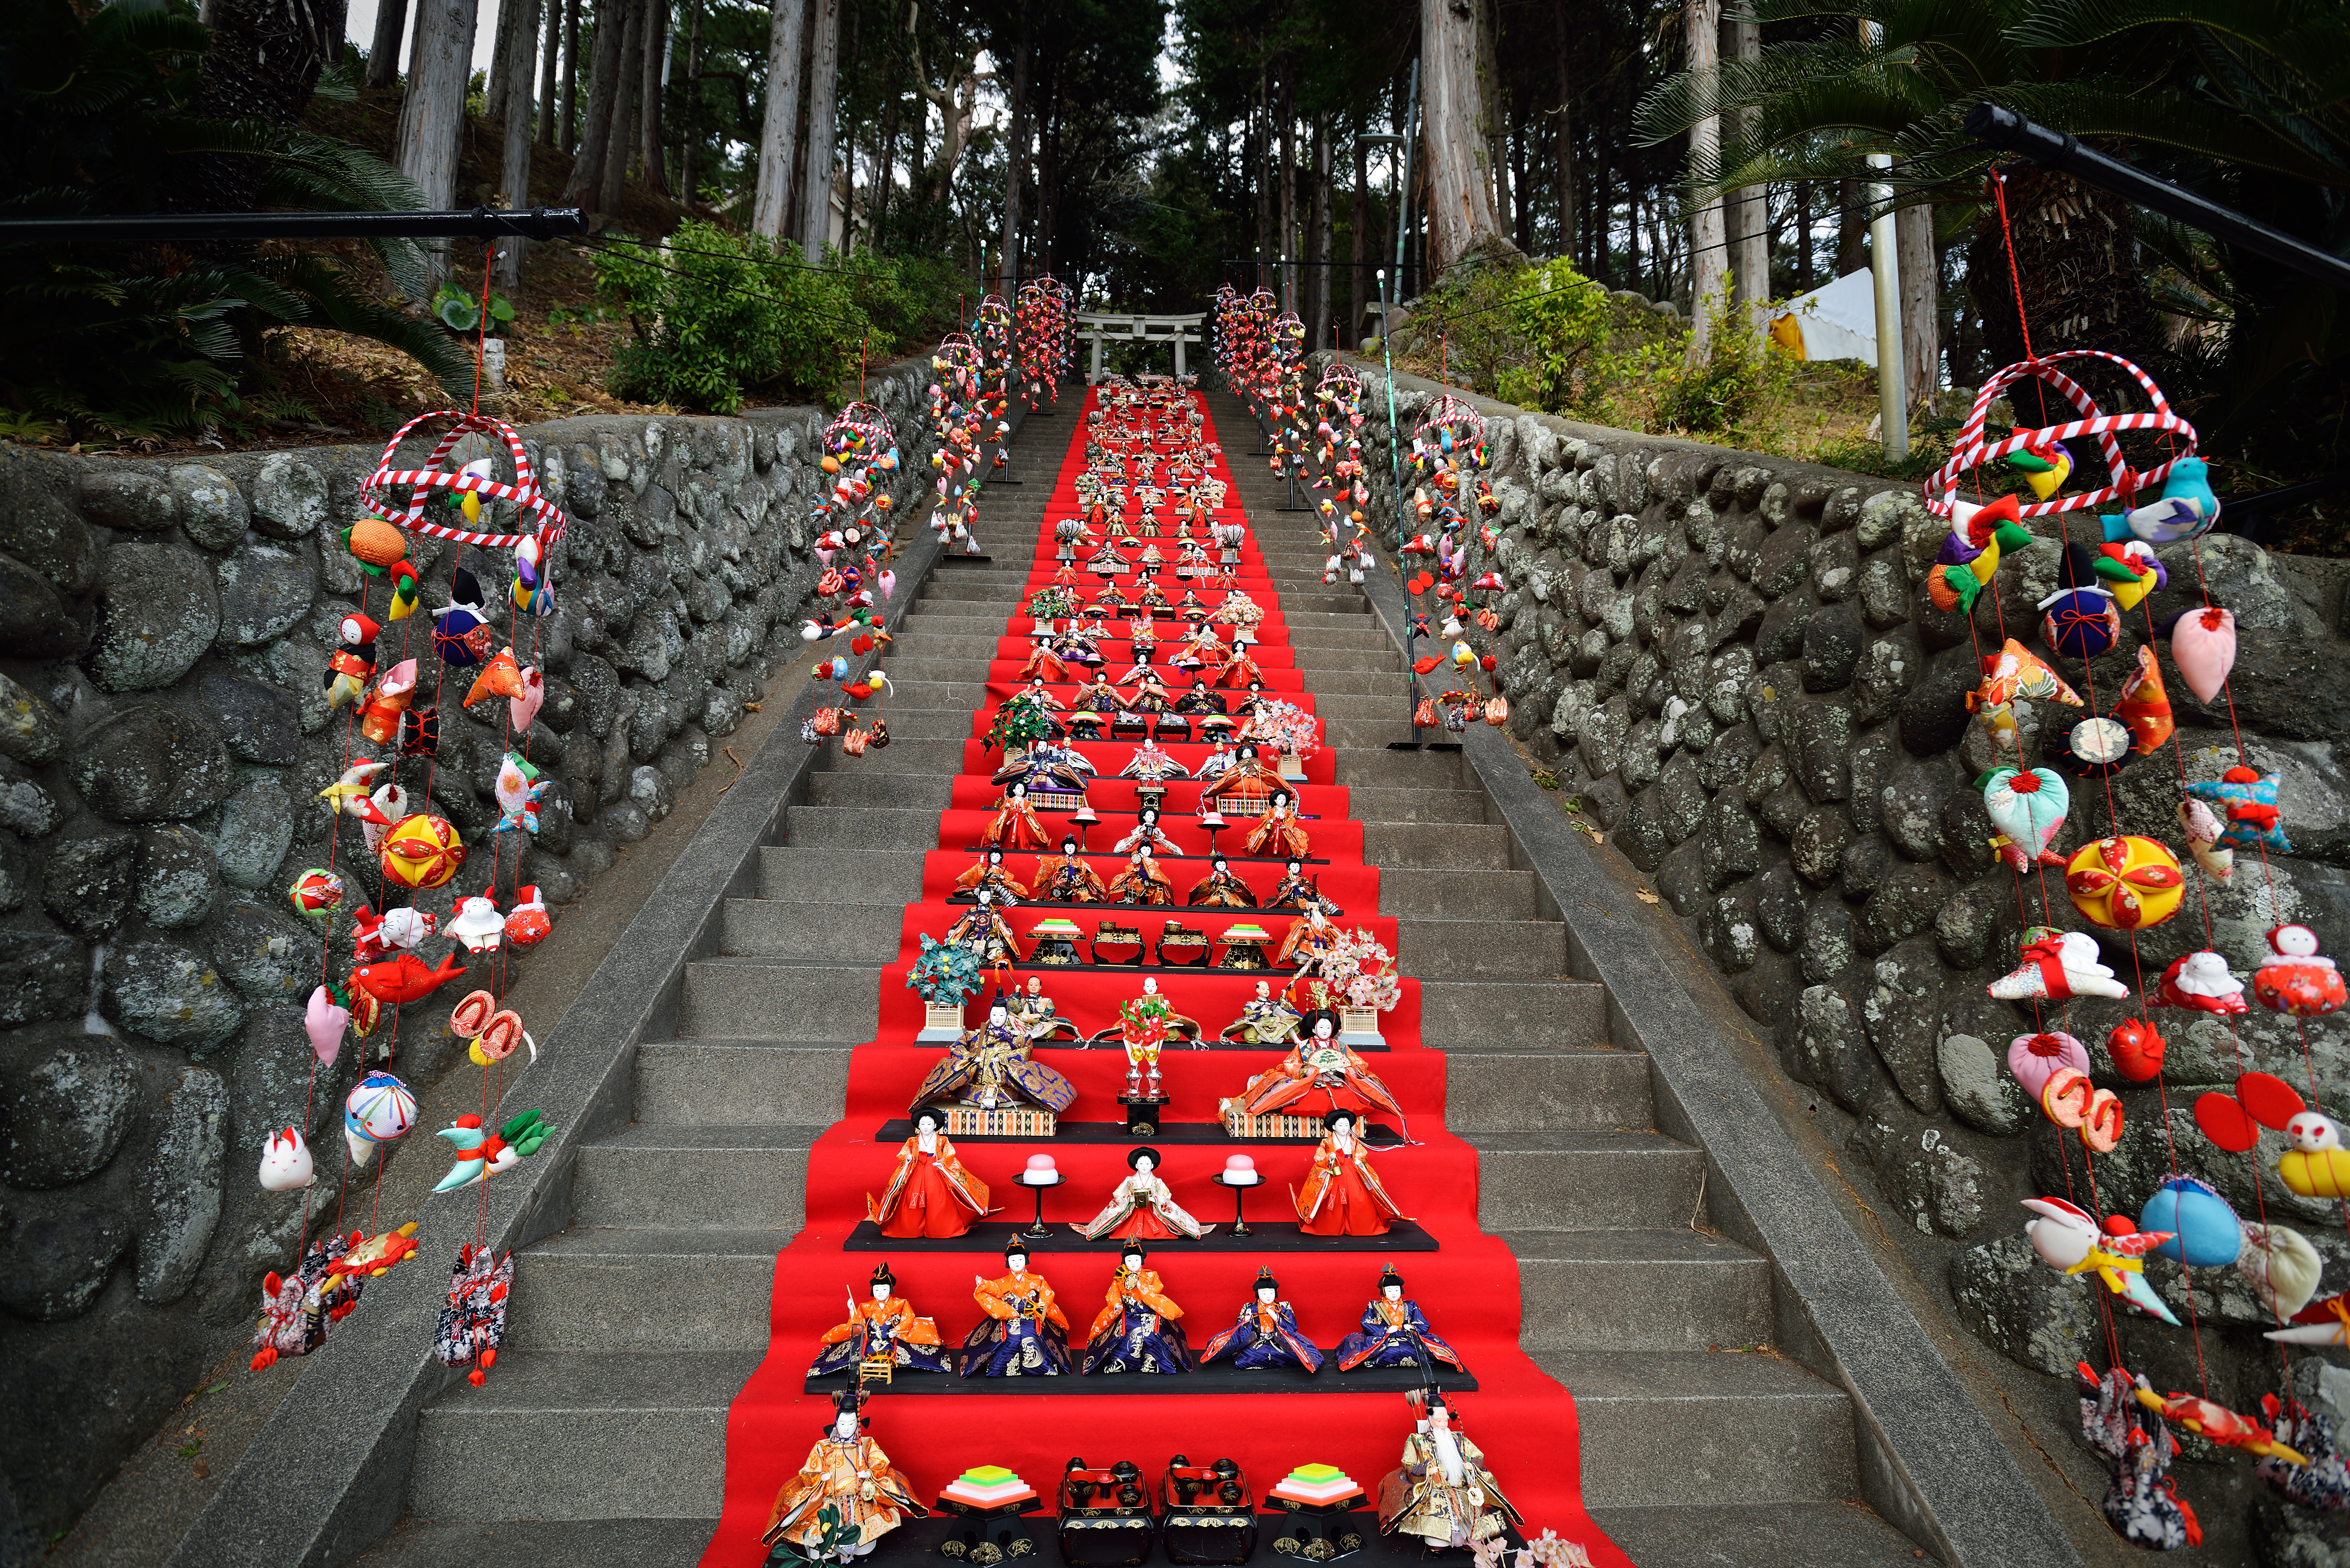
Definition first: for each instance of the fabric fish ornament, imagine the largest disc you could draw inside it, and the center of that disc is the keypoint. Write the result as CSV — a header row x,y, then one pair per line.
x,y
500,677
2203,646
2250,802
2028,808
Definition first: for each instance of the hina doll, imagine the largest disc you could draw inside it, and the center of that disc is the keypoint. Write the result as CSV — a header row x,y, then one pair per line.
x,y
1099,696
1307,941
1240,669
884,1327
1135,1330
1342,1195
1442,1492
1200,699
1316,1062
1024,1333
1014,824
1068,879
1035,1012
1151,560
1146,833
1393,1334
1046,766
1265,1333
1142,1206
1278,831
845,1497
1296,892
1152,599
1266,1020
991,1067
1220,888
1081,644
1045,663
1142,882
1146,649
1109,561
1191,609
1150,694
1215,765
984,931
1153,764
1246,781
930,1194
989,875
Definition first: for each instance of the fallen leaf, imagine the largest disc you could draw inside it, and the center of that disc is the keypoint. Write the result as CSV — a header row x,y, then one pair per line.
x,y
1646,896
202,1469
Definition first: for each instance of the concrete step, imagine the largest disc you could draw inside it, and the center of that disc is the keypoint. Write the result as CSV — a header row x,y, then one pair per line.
x,y
917,641
1661,1428
1376,805
1498,1095
1366,733
1639,1289
1330,683
965,695
1438,845
609,1437
1616,1178
1524,1014
936,666
923,754
1481,950
1843,1535
867,787
1378,766
586,1292
1458,894
649,1176
771,999
911,721
887,877
819,933
863,826
535,1543
741,1082
1348,637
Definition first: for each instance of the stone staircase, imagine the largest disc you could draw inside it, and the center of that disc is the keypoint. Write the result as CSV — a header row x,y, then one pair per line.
x,y
1702,1445
600,1438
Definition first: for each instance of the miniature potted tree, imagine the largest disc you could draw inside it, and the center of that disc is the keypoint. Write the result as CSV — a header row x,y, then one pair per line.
x,y
1362,975
944,976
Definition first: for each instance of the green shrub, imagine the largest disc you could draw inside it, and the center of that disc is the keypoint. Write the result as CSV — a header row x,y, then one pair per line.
x,y
1566,321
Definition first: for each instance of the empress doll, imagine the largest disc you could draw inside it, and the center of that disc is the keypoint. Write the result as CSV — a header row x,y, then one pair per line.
x,y
1135,1330
930,1194
1014,824
1316,1061
1341,1195
1143,1206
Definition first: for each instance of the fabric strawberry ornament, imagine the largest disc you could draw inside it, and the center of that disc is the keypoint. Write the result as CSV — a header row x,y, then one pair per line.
x,y
2028,808
2203,646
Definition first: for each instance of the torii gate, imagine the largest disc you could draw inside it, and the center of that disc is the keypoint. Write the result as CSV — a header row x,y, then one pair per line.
x,y
1180,331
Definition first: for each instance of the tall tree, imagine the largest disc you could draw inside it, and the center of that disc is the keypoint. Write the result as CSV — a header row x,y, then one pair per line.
x,y
383,54
548,71
1015,162
513,167
1563,170
433,114
587,183
690,132
650,137
824,114
1921,303
1318,250
621,136
1459,186
1359,277
779,133
1750,253
1701,20
1288,176
570,132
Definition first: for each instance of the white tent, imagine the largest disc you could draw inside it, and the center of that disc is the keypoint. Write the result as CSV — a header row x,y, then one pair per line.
x,y
1838,322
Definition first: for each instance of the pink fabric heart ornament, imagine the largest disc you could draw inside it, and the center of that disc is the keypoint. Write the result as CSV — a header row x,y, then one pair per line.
x,y
521,709
2036,1058
2029,808
2203,646
324,1021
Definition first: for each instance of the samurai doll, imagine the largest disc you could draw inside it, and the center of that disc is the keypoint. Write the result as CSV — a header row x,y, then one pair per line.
x,y
1393,1334
1316,1063
989,875
1342,1195
1307,942
1135,1330
1146,833
1014,824
1153,764
983,929
1215,766
1265,1333
930,1194
1068,879
1035,1012
844,1498
1024,1333
1295,892
882,1328
1200,699
1222,888
1143,1206
1442,1492
991,1067
1142,882
1278,831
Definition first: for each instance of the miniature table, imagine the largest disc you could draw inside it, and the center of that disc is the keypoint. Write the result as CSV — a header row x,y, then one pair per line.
x,y
1240,1191
1040,1230
1319,1532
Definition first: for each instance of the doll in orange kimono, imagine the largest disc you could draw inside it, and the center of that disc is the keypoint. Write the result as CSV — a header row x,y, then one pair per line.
x,y
1317,1061
1278,832
1142,882
930,1194
847,1477
1014,824
1307,941
885,1326
1044,662
1135,1330
1342,1195
1068,879
1024,1333
1247,780
989,872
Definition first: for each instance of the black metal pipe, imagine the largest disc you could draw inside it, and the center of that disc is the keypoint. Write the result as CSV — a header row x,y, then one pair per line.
x,y
534,222
1998,126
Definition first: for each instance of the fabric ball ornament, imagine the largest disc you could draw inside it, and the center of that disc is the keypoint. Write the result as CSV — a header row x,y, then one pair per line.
x,y
422,851
376,543
2205,1232
2203,646
2081,624
2296,978
316,892
2125,884
379,1108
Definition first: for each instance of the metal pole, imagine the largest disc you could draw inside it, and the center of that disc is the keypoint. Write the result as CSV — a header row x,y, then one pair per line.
x,y
1403,190
1885,271
536,222
1988,122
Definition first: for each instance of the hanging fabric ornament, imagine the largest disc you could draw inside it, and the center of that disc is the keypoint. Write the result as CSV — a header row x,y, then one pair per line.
x,y
316,893
2131,571
2296,978
2145,706
2057,965
2136,1048
2080,620
404,978
2250,800
376,545
461,634
2125,884
2203,646
2038,1057
2205,1230
419,733
2143,1505
473,1322
323,1021
2028,808
379,714
351,667
2322,1484
500,677
2070,1241
2094,748
378,1109
2187,508
2313,1164
523,708
422,851
285,1163
403,592
2200,983
528,923
517,789
2016,672
2281,1266
2203,831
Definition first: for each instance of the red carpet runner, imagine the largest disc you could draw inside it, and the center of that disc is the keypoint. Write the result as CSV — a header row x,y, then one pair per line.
x,y
1523,1421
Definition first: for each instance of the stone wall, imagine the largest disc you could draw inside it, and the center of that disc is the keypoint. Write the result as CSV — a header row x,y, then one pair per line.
x,y
164,629
1731,661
